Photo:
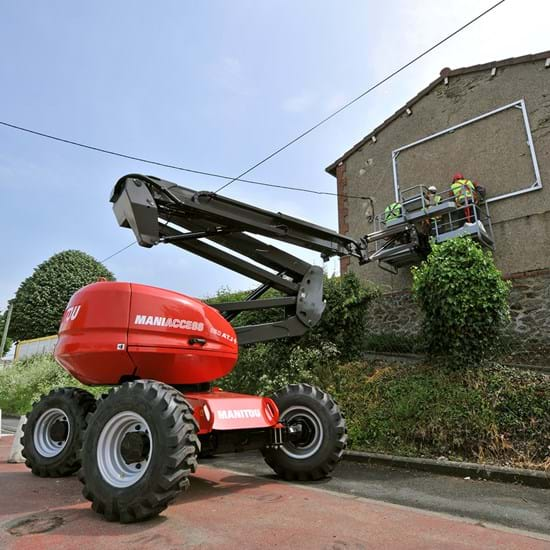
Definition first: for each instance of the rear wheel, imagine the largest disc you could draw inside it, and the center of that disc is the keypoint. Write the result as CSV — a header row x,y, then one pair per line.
x,y
52,435
317,437
139,448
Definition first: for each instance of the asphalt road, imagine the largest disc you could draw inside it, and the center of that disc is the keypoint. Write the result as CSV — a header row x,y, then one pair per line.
x,y
510,505
9,425
224,509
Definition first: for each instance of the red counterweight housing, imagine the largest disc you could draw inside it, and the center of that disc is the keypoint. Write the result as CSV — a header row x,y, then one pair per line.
x,y
113,331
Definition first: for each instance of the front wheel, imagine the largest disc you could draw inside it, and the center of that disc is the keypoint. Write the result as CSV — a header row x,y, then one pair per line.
x,y
139,448
317,431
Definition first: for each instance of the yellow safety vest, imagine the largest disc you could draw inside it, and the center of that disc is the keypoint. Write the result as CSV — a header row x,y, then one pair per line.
x,y
392,211
462,190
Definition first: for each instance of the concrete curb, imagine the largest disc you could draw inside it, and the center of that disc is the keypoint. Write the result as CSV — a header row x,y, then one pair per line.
x,y
533,478
417,358
15,456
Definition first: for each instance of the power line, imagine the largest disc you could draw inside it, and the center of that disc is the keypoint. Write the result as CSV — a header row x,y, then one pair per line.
x,y
277,151
172,166
118,252
360,96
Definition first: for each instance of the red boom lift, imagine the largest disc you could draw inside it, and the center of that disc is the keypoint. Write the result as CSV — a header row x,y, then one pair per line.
x,y
161,350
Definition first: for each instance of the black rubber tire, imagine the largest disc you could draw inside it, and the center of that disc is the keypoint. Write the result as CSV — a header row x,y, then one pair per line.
x,y
76,404
332,442
175,448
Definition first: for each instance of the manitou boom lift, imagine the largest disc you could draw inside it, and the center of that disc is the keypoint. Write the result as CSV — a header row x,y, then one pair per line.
x,y
161,350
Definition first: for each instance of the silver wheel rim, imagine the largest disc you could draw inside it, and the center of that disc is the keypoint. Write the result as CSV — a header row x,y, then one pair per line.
x,y
43,439
114,469
304,416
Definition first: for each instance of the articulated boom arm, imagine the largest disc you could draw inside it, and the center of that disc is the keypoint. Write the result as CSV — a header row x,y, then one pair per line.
x,y
160,211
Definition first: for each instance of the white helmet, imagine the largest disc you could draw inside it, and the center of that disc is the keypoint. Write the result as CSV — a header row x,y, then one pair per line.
x,y
432,189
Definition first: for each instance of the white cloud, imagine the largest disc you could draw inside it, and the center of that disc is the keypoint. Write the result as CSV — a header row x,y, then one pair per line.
x,y
299,103
229,74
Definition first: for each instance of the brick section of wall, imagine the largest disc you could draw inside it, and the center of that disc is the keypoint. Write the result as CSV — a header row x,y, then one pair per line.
x,y
396,313
343,227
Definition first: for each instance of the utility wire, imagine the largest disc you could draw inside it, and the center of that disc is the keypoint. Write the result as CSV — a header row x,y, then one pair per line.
x,y
360,96
118,252
274,153
172,166
277,151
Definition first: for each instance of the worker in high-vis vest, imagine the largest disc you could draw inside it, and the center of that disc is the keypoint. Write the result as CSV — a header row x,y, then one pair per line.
x,y
432,198
392,212
464,192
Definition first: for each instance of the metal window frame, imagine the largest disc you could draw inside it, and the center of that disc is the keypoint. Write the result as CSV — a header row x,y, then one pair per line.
x,y
519,104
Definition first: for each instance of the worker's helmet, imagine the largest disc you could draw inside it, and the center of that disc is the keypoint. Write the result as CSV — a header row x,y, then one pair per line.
x,y
432,189
458,176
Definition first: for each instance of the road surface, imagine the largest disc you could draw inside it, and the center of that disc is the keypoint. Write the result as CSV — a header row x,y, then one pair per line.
x,y
224,509
9,425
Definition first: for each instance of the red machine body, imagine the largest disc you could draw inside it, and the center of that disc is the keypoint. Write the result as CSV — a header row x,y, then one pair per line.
x,y
115,331
112,331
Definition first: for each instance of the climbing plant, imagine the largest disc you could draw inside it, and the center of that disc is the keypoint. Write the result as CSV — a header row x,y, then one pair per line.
x,y
465,302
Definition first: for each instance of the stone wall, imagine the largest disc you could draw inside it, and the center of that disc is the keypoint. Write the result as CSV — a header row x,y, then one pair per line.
x,y
530,306
396,313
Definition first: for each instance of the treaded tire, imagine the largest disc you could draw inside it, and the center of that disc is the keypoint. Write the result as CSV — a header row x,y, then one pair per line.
x,y
318,455
75,403
172,456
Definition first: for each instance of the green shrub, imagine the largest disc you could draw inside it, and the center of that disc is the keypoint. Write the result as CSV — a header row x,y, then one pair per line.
x,y
311,358
497,414
41,298
465,302
24,382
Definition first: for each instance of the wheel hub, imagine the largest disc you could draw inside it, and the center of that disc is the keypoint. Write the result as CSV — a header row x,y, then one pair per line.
x,y
135,447
306,432
59,431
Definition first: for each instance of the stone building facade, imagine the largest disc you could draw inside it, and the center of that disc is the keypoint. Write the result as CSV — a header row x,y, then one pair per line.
x,y
492,123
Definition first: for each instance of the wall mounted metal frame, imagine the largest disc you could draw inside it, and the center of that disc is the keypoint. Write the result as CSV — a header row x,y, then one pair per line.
x,y
519,104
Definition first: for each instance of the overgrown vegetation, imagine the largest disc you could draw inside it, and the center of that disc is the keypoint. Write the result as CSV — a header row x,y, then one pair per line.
x,y
495,414
24,382
339,336
465,303
391,342
41,298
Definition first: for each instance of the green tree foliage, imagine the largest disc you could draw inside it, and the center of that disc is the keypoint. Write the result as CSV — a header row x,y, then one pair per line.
x,y
340,335
41,298
465,302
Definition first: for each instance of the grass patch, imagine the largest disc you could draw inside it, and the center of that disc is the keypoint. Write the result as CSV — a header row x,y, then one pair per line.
x,y
24,382
494,415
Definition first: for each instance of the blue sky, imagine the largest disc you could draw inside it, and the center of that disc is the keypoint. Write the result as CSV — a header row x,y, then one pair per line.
x,y
214,86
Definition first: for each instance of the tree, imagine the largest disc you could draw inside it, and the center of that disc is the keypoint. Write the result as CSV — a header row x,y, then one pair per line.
x,y
41,298
464,300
